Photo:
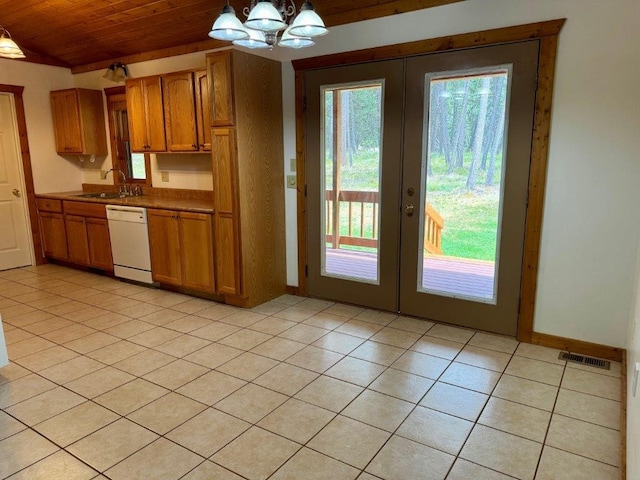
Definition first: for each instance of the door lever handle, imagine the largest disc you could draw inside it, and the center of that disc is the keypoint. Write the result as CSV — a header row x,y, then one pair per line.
x,y
409,210
16,192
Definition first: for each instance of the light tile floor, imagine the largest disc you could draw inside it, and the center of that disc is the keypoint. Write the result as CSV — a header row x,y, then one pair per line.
x,y
113,380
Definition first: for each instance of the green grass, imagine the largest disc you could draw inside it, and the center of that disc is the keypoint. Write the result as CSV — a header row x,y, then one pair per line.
x,y
470,217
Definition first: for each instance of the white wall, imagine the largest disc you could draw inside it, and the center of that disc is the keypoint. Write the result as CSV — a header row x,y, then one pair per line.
x,y
633,403
591,214
50,171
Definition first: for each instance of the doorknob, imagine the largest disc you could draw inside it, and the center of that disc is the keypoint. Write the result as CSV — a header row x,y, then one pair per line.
x,y
409,210
16,192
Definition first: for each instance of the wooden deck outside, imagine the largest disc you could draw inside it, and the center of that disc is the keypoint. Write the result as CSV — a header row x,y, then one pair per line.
x,y
455,276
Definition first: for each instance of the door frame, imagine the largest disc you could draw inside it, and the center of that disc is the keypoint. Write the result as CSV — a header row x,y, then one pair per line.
x,y
547,33
27,171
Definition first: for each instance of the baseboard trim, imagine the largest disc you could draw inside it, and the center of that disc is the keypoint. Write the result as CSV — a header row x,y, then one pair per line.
x,y
623,419
291,290
578,346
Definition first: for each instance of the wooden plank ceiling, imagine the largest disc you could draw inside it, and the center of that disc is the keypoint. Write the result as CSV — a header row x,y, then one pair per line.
x,y
88,35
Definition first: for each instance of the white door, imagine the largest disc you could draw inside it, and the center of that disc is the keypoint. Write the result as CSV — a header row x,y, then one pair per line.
x,y
15,242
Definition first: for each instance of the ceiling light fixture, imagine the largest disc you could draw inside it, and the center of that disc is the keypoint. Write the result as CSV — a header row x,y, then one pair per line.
x,y
9,48
116,72
265,18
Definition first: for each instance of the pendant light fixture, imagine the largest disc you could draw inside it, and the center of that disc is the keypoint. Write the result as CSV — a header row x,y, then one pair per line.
x,y
9,48
265,18
116,72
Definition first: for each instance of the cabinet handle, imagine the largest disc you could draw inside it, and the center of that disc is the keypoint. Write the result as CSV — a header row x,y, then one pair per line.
x,y
193,145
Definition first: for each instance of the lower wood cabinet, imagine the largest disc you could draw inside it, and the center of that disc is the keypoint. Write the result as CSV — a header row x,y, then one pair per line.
x,y
54,238
76,227
87,231
99,243
181,246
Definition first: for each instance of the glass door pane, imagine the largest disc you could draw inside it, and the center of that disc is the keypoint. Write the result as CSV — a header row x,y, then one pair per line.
x,y
351,156
463,172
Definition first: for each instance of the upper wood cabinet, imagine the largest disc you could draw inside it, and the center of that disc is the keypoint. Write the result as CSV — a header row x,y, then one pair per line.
x,y
203,108
186,111
248,170
78,121
219,69
146,114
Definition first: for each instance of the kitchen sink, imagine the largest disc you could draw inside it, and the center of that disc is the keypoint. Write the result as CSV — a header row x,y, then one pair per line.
x,y
102,195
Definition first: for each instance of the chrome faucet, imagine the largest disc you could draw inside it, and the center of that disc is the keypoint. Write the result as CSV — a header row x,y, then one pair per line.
x,y
123,186
124,177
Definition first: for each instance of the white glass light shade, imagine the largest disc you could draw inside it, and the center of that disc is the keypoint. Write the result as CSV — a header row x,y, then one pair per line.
x,y
9,48
110,74
292,41
227,26
265,17
308,23
256,40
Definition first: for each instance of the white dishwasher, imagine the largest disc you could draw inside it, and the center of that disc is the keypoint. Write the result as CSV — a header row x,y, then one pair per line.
x,y
129,242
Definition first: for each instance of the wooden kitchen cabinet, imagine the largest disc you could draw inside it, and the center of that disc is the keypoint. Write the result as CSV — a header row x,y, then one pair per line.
x,y
164,244
203,116
181,249
146,114
77,240
248,172
78,121
99,243
52,231
180,112
88,234
186,111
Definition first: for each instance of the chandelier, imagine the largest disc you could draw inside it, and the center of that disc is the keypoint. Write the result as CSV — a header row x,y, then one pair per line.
x,y
9,48
265,18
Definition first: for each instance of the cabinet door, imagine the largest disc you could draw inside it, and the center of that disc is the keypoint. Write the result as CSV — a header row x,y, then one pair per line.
x,y
156,141
66,120
180,112
54,237
196,232
137,115
164,243
227,236
77,239
99,243
203,110
219,67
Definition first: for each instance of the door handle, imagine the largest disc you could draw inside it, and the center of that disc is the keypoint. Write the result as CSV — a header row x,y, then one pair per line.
x,y
409,210
16,192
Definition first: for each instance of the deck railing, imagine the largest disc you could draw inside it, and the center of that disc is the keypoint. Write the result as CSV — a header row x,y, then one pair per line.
x,y
362,211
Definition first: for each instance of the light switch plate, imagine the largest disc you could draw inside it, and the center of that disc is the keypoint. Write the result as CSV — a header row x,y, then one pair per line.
x,y
292,164
164,176
291,181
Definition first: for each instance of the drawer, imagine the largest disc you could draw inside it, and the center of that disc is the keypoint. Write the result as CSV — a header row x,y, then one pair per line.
x,y
85,209
49,205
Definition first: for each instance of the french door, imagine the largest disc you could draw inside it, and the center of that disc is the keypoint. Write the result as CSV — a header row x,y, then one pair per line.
x,y
417,175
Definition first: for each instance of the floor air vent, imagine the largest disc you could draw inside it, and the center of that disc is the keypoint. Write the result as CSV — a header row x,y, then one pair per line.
x,y
590,361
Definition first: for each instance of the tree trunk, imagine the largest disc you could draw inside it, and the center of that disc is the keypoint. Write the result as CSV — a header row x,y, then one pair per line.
x,y
495,147
479,136
498,135
458,141
494,110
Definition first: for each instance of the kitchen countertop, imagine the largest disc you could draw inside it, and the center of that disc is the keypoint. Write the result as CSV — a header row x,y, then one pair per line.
x,y
148,201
